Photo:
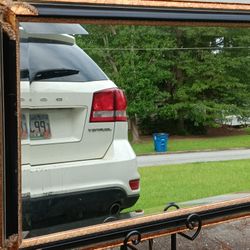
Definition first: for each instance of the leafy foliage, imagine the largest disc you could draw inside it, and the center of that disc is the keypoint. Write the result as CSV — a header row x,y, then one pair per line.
x,y
184,76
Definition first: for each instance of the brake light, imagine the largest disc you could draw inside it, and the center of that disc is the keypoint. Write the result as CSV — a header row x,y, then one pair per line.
x,y
109,106
134,184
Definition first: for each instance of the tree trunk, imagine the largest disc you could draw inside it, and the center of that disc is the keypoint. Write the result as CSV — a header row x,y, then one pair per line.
x,y
134,130
108,58
181,126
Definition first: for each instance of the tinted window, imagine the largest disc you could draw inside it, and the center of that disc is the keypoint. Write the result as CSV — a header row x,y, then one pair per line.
x,y
40,56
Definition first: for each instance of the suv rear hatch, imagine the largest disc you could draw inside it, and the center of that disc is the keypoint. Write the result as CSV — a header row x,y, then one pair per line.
x,y
58,81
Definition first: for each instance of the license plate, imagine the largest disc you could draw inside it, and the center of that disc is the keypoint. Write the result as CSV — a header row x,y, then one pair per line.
x,y
39,126
24,128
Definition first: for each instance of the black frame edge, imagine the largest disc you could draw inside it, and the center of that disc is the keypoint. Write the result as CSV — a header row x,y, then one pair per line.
x,y
11,135
72,10
156,226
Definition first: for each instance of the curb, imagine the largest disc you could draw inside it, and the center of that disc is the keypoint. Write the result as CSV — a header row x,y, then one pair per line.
x,y
191,151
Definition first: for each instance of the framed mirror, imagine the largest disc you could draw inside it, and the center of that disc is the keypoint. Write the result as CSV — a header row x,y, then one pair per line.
x,y
85,71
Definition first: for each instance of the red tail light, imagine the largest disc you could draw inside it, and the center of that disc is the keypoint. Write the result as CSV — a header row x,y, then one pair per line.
x,y
109,106
134,184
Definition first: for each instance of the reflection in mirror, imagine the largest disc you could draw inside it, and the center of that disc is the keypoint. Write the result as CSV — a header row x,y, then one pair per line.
x,y
187,86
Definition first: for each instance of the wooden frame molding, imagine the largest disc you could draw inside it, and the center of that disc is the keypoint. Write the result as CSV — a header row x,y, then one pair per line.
x,y
10,168
151,226
190,13
230,5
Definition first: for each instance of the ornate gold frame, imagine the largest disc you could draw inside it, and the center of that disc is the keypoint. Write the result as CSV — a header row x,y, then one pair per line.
x,y
11,12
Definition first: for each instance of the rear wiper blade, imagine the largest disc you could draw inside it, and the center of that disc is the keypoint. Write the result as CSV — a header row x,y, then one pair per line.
x,y
52,73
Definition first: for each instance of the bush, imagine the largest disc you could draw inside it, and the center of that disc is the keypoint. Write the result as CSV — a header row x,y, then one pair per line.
x,y
149,125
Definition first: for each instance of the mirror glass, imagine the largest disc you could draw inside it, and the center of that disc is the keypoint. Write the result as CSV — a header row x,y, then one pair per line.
x,y
120,120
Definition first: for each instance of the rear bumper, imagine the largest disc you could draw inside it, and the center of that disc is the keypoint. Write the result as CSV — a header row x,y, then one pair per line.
x,y
52,210
66,192
116,169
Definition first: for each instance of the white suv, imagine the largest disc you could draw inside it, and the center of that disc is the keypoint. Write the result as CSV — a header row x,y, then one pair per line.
x,y
77,162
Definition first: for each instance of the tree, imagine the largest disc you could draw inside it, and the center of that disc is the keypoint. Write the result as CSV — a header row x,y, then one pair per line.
x,y
187,76
120,50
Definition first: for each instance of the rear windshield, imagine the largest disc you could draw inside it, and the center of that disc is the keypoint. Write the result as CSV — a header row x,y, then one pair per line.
x,y
45,56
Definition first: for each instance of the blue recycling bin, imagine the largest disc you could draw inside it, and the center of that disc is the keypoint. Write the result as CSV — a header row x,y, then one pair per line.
x,y
160,142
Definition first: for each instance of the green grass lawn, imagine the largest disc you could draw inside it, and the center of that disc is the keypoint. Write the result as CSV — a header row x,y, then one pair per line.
x,y
193,144
177,183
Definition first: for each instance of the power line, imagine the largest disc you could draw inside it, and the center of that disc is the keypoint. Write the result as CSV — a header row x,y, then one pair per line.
x,y
163,49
